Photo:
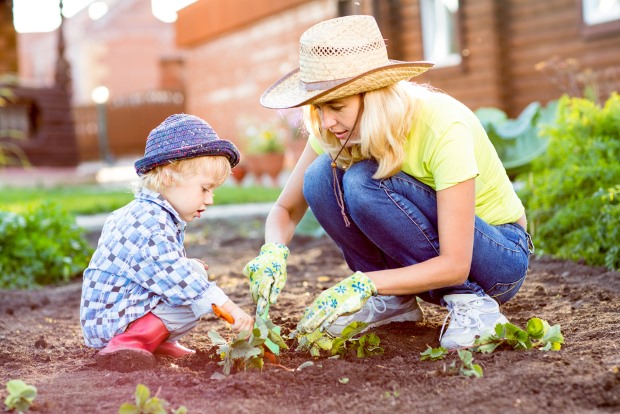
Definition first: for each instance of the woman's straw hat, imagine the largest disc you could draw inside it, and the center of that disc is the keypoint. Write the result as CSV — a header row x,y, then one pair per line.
x,y
337,58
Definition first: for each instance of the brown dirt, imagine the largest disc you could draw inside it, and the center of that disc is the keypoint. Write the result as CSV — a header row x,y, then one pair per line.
x,y
41,343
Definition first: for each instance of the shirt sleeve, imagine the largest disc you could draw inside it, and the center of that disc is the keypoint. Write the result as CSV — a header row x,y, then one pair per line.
x,y
452,159
162,268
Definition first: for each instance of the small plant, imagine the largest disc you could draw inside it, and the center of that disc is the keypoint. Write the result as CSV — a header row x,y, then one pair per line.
x,y
42,246
365,346
21,396
248,349
433,354
538,334
466,368
568,193
145,404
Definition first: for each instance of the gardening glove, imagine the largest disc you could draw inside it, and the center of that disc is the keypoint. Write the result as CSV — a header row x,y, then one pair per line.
x,y
267,274
345,297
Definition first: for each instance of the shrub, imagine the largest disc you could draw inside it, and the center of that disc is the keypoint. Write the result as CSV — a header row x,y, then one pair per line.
x,y
571,191
39,247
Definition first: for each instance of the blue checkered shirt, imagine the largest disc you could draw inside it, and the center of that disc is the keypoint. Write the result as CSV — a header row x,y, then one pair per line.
x,y
140,260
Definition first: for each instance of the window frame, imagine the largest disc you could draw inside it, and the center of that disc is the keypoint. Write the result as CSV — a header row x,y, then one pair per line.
x,y
458,28
597,30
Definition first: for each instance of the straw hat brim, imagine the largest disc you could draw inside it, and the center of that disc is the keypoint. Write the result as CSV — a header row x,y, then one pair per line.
x,y
288,91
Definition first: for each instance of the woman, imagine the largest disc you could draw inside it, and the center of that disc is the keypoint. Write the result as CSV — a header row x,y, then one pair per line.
x,y
406,182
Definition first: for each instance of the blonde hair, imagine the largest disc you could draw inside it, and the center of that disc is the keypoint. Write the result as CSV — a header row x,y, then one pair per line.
x,y
218,167
384,127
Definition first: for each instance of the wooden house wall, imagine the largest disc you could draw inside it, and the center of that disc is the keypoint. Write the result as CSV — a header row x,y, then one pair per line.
x,y
539,30
503,41
231,62
51,134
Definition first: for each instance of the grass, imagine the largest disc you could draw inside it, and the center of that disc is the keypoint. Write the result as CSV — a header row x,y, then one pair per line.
x,y
93,199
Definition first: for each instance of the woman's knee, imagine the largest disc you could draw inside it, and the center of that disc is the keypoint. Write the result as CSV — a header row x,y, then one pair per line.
x,y
359,187
317,178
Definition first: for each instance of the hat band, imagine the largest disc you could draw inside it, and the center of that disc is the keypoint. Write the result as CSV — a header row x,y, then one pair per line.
x,y
322,85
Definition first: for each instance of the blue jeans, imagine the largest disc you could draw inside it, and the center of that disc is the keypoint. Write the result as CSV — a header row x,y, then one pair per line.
x,y
394,225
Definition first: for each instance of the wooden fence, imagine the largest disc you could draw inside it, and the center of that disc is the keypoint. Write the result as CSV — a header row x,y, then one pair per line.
x,y
128,122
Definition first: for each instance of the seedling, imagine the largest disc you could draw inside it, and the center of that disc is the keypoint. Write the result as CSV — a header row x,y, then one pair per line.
x,y
538,334
366,345
21,396
466,368
145,404
247,350
433,354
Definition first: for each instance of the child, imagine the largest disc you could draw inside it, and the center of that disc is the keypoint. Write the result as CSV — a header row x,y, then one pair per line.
x,y
140,292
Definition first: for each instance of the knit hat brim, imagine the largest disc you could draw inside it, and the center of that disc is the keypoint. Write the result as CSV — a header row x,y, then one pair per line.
x,y
222,148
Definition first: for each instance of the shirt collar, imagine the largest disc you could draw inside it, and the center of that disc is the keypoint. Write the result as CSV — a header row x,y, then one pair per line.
x,y
156,198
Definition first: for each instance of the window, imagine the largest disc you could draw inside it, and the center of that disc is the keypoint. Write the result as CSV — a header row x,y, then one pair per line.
x,y
440,32
600,17
600,11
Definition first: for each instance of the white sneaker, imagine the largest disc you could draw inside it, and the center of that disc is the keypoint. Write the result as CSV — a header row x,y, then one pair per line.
x,y
471,316
380,310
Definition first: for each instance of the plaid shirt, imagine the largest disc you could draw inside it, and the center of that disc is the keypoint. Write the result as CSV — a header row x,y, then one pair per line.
x,y
140,261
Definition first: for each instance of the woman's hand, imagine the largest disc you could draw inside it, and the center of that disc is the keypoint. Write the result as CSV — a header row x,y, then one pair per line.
x,y
345,297
267,274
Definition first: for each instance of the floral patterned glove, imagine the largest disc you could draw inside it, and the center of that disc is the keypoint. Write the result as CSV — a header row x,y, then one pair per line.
x,y
267,274
345,297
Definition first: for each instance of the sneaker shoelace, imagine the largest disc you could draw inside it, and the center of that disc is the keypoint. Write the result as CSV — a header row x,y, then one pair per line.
x,y
461,314
373,304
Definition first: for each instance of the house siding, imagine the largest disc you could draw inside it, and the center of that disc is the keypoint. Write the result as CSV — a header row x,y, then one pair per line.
x,y
502,41
227,74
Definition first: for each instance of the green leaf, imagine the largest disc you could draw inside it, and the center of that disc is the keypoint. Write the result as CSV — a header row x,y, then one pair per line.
x,y
324,343
369,345
353,329
343,380
475,370
142,395
488,347
127,408
554,337
215,338
433,354
276,338
154,406
339,346
535,328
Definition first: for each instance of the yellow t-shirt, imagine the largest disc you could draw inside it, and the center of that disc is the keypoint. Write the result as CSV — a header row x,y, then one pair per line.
x,y
448,145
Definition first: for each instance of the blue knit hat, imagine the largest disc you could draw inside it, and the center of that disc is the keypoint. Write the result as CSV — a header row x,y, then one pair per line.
x,y
183,136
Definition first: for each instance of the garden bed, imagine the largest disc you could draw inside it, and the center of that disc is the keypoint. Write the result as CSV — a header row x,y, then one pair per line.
x,y
41,343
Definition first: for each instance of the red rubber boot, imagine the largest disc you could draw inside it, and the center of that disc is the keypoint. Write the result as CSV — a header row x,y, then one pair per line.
x,y
142,336
173,349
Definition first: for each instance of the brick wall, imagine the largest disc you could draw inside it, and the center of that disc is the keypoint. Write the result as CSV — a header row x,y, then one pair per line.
x,y
226,75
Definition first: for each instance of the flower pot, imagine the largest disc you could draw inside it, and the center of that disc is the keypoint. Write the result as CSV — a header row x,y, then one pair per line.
x,y
272,164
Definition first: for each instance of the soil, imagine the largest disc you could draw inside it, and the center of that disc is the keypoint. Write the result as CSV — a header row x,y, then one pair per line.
x,y
41,343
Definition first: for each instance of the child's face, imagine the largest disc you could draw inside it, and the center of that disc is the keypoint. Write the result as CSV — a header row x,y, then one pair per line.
x,y
191,197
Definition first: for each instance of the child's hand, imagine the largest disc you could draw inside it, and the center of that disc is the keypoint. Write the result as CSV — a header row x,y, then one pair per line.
x,y
203,264
200,267
243,321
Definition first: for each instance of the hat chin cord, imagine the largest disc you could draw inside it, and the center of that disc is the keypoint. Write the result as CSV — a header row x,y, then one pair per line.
x,y
335,182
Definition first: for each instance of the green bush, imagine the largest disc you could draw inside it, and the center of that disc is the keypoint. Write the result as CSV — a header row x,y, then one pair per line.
x,y
39,247
571,192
